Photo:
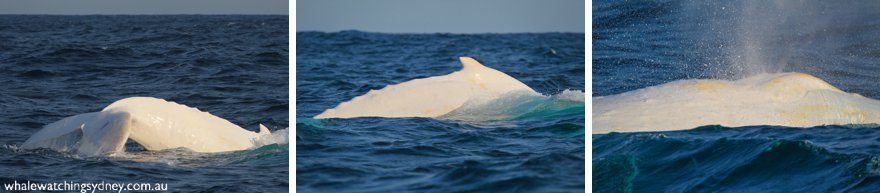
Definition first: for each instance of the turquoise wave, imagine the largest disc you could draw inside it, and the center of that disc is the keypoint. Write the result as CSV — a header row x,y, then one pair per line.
x,y
520,106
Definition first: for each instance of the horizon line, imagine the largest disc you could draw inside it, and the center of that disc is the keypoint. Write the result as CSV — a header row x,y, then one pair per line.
x,y
362,31
144,14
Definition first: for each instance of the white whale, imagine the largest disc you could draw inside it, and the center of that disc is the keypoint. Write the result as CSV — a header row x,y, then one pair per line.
x,y
153,123
432,96
784,99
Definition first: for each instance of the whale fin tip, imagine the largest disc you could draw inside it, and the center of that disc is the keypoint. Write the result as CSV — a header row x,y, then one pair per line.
x,y
469,63
263,130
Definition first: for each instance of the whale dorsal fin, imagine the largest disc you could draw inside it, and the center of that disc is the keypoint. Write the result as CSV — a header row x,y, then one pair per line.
x,y
263,130
468,63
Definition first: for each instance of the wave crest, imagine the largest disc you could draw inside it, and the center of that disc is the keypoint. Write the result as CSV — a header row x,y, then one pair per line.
x,y
520,105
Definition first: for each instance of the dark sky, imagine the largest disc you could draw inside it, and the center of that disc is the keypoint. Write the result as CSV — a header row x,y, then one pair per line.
x,y
87,7
428,16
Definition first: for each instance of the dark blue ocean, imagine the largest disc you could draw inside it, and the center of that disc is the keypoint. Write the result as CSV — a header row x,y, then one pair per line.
x,y
235,67
637,44
540,151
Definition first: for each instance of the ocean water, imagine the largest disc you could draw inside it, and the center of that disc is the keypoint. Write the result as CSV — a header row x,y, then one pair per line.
x,y
234,67
522,145
637,44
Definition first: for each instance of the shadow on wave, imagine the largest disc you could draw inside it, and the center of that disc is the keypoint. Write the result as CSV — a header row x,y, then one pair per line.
x,y
178,158
743,159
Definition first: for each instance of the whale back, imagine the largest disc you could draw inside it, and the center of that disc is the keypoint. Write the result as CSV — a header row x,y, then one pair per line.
x,y
157,124
432,96
784,99
153,123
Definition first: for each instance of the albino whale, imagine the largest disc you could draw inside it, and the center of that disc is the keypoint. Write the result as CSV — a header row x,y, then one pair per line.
x,y
432,96
153,123
784,99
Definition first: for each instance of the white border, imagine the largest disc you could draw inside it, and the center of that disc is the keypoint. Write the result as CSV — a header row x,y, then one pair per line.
x,y
291,87
588,74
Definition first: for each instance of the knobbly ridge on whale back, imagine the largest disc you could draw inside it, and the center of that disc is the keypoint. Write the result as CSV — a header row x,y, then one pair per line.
x,y
153,123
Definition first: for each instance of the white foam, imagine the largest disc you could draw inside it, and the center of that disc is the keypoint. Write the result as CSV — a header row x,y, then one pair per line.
x,y
571,95
278,137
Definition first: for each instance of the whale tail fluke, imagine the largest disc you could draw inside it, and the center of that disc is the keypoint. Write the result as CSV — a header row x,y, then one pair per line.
x,y
107,135
89,134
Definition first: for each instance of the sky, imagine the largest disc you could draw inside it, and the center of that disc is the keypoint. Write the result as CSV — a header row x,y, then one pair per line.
x,y
430,16
138,7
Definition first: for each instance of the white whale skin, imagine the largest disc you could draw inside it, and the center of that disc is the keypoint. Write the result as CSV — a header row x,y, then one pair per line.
x,y
432,96
153,123
783,99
